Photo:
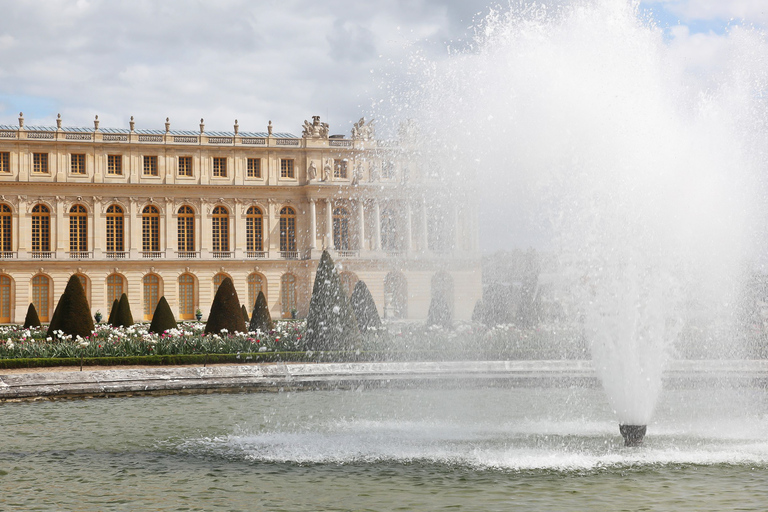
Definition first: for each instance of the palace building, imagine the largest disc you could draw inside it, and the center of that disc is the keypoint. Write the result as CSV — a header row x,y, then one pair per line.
x,y
154,213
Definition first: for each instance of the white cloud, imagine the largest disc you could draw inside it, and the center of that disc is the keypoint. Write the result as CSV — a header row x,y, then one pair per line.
x,y
752,10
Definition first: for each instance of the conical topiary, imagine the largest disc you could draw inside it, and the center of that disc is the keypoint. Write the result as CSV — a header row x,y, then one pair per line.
x,y
31,320
260,317
162,318
72,315
123,317
225,310
331,323
245,314
365,308
113,312
439,311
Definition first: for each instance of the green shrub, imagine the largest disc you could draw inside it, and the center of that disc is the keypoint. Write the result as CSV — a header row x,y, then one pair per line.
x,y
245,314
365,308
162,318
113,313
260,317
31,320
439,311
72,315
331,323
123,317
225,310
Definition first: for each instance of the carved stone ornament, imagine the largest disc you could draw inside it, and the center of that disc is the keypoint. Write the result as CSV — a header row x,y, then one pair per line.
x,y
362,130
316,129
311,171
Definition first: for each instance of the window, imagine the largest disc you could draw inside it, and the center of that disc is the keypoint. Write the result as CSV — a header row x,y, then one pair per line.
x,y
115,165
114,229
151,295
41,229
287,229
40,162
253,230
341,229
78,229
288,294
5,228
150,229
40,290
220,229
286,168
114,288
387,170
340,168
5,299
255,285
186,229
5,161
254,168
185,166
150,166
186,296
219,167
77,163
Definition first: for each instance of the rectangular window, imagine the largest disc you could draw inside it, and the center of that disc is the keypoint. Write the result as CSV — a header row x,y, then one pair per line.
x,y
77,163
115,165
219,167
340,168
254,168
150,166
185,166
5,162
286,168
40,162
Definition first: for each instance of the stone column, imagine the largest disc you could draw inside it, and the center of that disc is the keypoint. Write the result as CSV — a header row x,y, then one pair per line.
x,y
23,228
456,230
361,224
96,232
61,243
329,225
238,230
203,230
133,230
424,228
376,242
312,224
170,235
408,231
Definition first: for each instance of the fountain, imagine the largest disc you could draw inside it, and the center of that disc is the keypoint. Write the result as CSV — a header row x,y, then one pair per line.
x,y
641,179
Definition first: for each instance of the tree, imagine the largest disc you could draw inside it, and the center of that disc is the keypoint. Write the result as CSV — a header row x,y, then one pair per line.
x,y
365,308
113,312
31,320
72,315
439,311
225,310
331,323
260,317
245,314
123,317
162,318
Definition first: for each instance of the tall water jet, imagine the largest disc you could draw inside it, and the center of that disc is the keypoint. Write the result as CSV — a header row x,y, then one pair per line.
x,y
582,125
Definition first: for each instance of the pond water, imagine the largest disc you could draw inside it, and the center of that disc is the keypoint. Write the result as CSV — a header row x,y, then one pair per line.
x,y
385,449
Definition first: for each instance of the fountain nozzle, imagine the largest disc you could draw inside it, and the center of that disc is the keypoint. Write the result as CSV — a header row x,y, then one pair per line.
x,y
633,434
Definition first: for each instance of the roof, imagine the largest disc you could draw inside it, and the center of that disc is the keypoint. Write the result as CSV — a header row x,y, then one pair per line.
x,y
76,129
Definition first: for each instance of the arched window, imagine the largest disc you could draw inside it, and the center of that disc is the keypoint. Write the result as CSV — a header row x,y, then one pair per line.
x,y
288,294
151,294
220,229
348,282
254,230
41,229
341,229
186,296
186,229
5,228
287,229
78,229
41,287
255,285
115,288
5,299
150,229
115,229
217,280
395,296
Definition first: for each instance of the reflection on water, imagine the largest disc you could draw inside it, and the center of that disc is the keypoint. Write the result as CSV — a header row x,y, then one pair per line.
x,y
470,449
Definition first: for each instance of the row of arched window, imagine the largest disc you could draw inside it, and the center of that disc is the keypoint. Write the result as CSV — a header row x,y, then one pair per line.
x,y
395,293
150,229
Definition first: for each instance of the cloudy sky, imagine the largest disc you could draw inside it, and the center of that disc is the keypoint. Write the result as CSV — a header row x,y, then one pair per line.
x,y
255,61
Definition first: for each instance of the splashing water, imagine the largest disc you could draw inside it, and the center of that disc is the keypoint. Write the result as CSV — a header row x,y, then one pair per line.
x,y
637,172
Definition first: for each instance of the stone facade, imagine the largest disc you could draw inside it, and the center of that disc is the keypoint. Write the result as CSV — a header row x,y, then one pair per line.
x,y
169,213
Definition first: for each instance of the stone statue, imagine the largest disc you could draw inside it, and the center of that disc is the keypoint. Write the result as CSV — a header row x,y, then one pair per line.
x,y
327,170
311,171
362,130
316,129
